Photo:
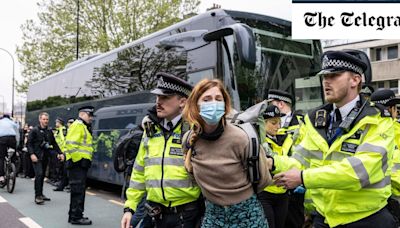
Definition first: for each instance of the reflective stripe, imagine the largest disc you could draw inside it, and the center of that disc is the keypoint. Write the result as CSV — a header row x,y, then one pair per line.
x,y
337,156
79,151
313,154
377,149
300,159
167,161
84,135
167,183
138,167
360,170
137,185
395,167
78,144
381,184
372,148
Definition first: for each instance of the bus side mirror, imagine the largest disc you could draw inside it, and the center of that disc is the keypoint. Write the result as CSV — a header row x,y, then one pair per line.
x,y
187,40
244,38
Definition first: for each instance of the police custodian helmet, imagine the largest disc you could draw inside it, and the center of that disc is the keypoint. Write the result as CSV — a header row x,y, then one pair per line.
x,y
169,84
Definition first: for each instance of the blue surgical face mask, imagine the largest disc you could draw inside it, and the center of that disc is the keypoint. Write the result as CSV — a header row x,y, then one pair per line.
x,y
212,111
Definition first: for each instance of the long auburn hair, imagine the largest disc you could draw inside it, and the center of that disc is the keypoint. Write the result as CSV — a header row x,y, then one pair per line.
x,y
191,112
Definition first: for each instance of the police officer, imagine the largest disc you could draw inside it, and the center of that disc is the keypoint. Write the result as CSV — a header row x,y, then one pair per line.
x,y
274,199
345,153
173,199
59,135
291,131
79,151
40,142
387,98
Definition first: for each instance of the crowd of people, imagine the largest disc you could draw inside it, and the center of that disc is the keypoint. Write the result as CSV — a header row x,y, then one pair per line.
x,y
61,156
336,166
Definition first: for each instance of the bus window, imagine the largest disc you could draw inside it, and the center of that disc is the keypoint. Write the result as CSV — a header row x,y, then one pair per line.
x,y
117,123
195,77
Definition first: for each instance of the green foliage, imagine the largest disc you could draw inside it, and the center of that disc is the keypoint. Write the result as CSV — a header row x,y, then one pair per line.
x,y
50,43
105,141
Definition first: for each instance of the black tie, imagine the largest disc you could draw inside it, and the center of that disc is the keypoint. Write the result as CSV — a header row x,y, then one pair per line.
x,y
170,126
338,118
335,123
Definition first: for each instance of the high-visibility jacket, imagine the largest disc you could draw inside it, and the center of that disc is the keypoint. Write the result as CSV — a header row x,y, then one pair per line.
x,y
350,179
59,135
281,147
78,142
293,129
396,162
159,170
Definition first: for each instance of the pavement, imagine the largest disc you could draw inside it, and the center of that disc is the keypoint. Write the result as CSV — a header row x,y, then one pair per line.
x,y
19,210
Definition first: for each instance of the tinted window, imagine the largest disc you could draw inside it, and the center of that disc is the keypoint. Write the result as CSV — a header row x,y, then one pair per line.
x,y
126,122
378,54
392,52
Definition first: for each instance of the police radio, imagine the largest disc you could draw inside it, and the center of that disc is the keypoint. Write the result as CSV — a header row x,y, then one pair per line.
x,y
347,123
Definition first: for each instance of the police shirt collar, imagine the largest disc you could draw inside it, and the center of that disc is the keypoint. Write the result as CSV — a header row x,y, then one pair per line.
x,y
174,121
346,109
285,117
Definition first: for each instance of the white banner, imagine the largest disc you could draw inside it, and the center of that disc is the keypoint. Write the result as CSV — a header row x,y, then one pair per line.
x,y
346,21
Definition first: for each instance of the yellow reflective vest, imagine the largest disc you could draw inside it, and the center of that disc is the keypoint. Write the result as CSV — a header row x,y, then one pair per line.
x,y
350,179
78,142
159,170
396,162
60,138
283,149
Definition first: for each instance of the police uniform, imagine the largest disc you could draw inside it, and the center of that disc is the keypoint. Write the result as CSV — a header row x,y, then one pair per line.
x,y
59,135
79,152
346,154
292,132
387,98
159,167
275,199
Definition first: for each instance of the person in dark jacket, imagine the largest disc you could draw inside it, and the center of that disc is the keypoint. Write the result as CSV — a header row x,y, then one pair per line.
x,y
40,142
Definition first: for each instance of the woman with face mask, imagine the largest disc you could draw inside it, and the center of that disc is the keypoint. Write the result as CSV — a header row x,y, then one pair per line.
x,y
216,155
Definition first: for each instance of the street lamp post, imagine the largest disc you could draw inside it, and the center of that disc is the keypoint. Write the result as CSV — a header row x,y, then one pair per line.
x,y
12,96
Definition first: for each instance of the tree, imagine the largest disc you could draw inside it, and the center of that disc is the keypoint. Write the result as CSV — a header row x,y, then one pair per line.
x,y
49,44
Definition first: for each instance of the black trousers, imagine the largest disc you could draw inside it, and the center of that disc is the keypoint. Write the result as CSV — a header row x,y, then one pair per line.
x,y
295,215
275,208
27,165
381,219
77,180
40,168
187,217
64,176
5,143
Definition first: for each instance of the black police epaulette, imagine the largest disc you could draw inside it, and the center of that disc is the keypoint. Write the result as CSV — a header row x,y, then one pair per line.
x,y
383,109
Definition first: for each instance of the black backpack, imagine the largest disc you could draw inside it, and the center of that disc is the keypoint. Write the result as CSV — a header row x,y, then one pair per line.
x,y
126,149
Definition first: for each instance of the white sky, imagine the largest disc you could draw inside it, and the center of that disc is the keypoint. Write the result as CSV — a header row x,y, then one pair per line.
x,y
14,13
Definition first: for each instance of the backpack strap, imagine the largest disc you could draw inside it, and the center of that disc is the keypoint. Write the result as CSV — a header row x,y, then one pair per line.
x,y
254,153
